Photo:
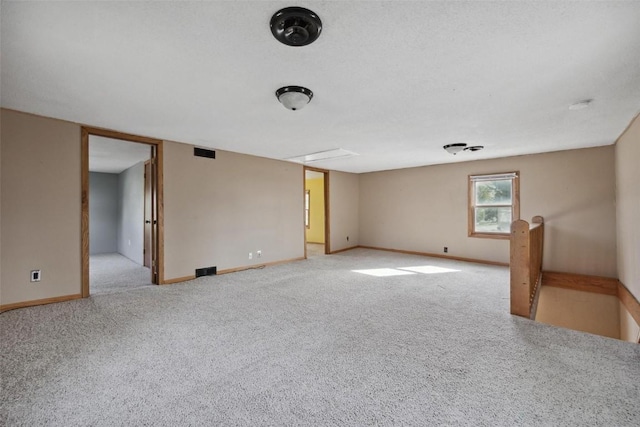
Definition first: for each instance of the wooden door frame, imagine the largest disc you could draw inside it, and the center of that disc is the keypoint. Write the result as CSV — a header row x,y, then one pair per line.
x,y
327,222
149,213
158,254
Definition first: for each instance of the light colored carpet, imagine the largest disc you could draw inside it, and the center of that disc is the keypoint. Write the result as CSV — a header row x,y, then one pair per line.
x,y
312,343
315,249
115,273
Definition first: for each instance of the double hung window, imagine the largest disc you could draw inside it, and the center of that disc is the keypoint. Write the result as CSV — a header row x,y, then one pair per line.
x,y
493,204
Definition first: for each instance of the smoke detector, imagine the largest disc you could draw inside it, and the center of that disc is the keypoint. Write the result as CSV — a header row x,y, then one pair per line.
x,y
296,26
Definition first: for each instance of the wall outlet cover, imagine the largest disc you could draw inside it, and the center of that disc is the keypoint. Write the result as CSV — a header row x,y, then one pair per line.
x,y
36,275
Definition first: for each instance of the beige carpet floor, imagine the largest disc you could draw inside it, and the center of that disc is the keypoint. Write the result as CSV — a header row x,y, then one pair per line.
x,y
115,273
354,339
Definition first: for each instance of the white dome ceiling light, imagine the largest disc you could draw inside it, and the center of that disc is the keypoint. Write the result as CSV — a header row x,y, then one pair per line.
x,y
456,148
294,97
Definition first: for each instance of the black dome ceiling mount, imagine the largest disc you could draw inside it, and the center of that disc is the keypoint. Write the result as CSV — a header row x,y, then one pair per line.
x,y
296,26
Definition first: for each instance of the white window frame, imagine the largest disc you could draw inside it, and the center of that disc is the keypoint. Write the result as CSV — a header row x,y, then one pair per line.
x,y
514,177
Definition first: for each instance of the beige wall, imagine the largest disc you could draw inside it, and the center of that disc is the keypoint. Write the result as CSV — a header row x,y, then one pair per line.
x,y
627,157
344,190
424,209
40,219
580,311
1,206
218,210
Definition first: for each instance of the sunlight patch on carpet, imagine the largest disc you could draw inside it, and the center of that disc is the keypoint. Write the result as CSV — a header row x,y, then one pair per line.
x,y
429,269
383,272
403,271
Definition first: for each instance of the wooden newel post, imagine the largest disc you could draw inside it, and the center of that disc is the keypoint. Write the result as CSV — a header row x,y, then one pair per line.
x,y
520,268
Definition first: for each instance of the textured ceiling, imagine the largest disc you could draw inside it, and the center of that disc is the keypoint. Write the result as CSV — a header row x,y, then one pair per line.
x,y
393,81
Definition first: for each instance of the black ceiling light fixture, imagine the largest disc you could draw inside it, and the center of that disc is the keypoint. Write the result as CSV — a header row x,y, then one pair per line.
x,y
474,148
296,26
294,97
456,148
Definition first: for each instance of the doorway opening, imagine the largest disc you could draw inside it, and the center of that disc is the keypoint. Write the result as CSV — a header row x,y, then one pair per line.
x,y
316,212
122,233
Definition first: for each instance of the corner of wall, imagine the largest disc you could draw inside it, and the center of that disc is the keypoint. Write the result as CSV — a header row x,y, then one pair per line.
x,y
627,176
344,210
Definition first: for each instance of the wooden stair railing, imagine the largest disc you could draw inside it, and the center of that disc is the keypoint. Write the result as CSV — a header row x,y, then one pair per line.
x,y
525,264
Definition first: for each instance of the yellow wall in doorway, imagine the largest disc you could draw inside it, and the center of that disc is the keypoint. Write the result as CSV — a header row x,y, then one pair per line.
x,y
315,232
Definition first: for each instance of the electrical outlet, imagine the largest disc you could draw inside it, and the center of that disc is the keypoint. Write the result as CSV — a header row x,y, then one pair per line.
x,y
446,249
258,254
250,255
36,275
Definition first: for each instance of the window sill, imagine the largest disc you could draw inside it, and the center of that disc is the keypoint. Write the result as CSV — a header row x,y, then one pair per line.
x,y
499,236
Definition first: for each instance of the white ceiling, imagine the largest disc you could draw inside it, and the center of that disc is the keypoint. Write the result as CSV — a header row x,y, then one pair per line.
x,y
393,81
108,155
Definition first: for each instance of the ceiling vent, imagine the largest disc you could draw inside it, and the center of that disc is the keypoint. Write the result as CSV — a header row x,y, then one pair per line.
x,y
581,104
296,26
338,153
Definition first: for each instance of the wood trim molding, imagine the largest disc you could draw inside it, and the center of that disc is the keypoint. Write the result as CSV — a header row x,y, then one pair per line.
x,y
581,282
629,301
253,267
120,135
304,192
343,250
84,213
178,280
160,206
43,301
497,236
455,258
327,210
84,221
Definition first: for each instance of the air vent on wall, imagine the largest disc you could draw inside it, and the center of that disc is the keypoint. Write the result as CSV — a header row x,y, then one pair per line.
x,y
206,271
201,152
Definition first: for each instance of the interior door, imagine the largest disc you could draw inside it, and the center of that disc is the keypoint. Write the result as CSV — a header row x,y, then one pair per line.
x,y
148,214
